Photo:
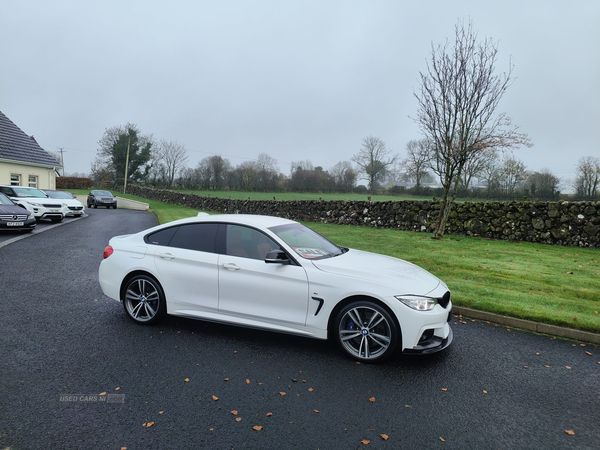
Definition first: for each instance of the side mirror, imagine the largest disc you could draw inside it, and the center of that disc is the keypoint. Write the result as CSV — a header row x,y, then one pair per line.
x,y
277,257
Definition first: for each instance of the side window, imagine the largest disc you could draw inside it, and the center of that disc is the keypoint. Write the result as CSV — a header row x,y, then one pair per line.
x,y
162,237
196,236
248,242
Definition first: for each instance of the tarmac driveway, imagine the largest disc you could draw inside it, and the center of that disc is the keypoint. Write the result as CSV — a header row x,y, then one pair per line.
x,y
76,373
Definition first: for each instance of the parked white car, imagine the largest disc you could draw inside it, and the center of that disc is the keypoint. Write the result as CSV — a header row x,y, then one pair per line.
x,y
36,202
76,208
276,274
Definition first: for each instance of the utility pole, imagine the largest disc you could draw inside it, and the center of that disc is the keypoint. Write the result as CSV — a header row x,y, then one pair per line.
x,y
126,165
62,160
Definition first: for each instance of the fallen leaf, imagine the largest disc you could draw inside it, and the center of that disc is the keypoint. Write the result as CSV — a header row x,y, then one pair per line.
x,y
186,380
211,429
546,366
102,393
161,412
583,345
407,406
304,381
365,442
588,353
234,412
149,424
442,439
484,391
385,437
445,389
247,381
317,411
310,389
238,419
568,367
525,367
215,398
235,351
117,388
225,379
537,353
372,399
269,414
257,427
570,432
294,380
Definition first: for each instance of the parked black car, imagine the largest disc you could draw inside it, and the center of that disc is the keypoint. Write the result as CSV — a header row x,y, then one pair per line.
x,y
101,198
13,217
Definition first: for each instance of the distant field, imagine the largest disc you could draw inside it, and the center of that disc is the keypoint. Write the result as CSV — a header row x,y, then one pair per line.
x,y
237,195
549,284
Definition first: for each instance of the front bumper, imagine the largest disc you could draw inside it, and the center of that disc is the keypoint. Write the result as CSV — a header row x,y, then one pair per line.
x,y
433,345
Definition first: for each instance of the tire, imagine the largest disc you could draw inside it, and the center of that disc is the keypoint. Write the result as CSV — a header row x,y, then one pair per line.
x,y
95,206
114,206
366,331
144,300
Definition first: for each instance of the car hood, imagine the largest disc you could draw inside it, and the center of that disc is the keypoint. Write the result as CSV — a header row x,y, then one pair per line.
x,y
10,209
401,275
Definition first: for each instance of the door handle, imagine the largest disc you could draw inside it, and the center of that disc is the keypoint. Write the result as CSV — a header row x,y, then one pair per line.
x,y
166,256
230,266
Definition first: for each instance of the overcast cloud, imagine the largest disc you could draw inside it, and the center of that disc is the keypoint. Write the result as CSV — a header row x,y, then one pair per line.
x,y
294,79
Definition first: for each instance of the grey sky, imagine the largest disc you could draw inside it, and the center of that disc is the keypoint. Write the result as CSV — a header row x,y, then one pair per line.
x,y
295,79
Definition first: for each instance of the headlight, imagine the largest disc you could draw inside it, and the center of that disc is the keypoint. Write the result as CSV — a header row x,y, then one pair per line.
x,y
418,302
37,205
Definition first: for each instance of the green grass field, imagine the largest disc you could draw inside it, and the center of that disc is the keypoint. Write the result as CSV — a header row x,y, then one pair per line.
x,y
549,284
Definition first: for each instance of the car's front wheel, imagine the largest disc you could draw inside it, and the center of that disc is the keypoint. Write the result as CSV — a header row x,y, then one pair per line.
x,y
366,331
144,300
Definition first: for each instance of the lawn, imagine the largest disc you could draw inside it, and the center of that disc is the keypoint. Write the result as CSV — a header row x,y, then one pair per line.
x,y
549,284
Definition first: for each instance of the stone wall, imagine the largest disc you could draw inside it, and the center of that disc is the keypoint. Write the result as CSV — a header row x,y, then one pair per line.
x,y
557,223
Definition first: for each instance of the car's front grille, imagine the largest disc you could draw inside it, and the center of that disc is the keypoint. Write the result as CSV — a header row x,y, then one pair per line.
x,y
445,299
11,217
51,205
75,208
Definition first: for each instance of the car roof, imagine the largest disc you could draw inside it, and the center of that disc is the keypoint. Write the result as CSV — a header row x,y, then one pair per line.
x,y
240,219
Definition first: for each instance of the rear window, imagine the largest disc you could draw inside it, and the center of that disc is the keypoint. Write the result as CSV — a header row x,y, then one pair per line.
x,y
198,236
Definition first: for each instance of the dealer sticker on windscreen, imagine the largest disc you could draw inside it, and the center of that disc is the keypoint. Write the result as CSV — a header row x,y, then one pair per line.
x,y
309,252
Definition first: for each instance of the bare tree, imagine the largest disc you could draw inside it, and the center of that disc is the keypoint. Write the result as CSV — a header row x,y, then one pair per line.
x,y
458,98
587,181
416,163
344,176
512,173
301,165
173,157
476,166
543,185
373,160
267,171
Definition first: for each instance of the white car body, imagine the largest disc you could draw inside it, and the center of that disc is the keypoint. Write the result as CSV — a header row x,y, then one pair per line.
x,y
36,202
74,206
302,297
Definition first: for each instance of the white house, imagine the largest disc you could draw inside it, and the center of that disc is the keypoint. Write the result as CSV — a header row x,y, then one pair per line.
x,y
22,161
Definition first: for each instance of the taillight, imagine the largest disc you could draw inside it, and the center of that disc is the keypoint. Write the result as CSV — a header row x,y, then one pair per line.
x,y
108,251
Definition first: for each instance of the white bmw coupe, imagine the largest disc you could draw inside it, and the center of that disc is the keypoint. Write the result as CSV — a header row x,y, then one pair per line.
x,y
276,274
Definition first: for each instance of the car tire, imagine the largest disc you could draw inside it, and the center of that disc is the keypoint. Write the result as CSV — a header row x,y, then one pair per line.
x,y
366,331
95,206
144,300
114,206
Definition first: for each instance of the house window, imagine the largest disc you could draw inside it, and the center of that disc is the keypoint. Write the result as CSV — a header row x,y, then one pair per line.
x,y
33,181
15,179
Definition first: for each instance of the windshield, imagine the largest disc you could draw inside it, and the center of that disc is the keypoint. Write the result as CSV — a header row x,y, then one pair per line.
x,y
102,193
4,200
29,192
59,194
305,242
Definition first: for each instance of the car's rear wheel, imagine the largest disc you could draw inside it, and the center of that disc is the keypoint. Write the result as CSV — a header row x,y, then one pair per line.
x,y
366,331
144,300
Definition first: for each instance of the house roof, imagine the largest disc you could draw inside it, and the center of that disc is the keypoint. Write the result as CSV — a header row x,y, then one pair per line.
x,y
15,145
